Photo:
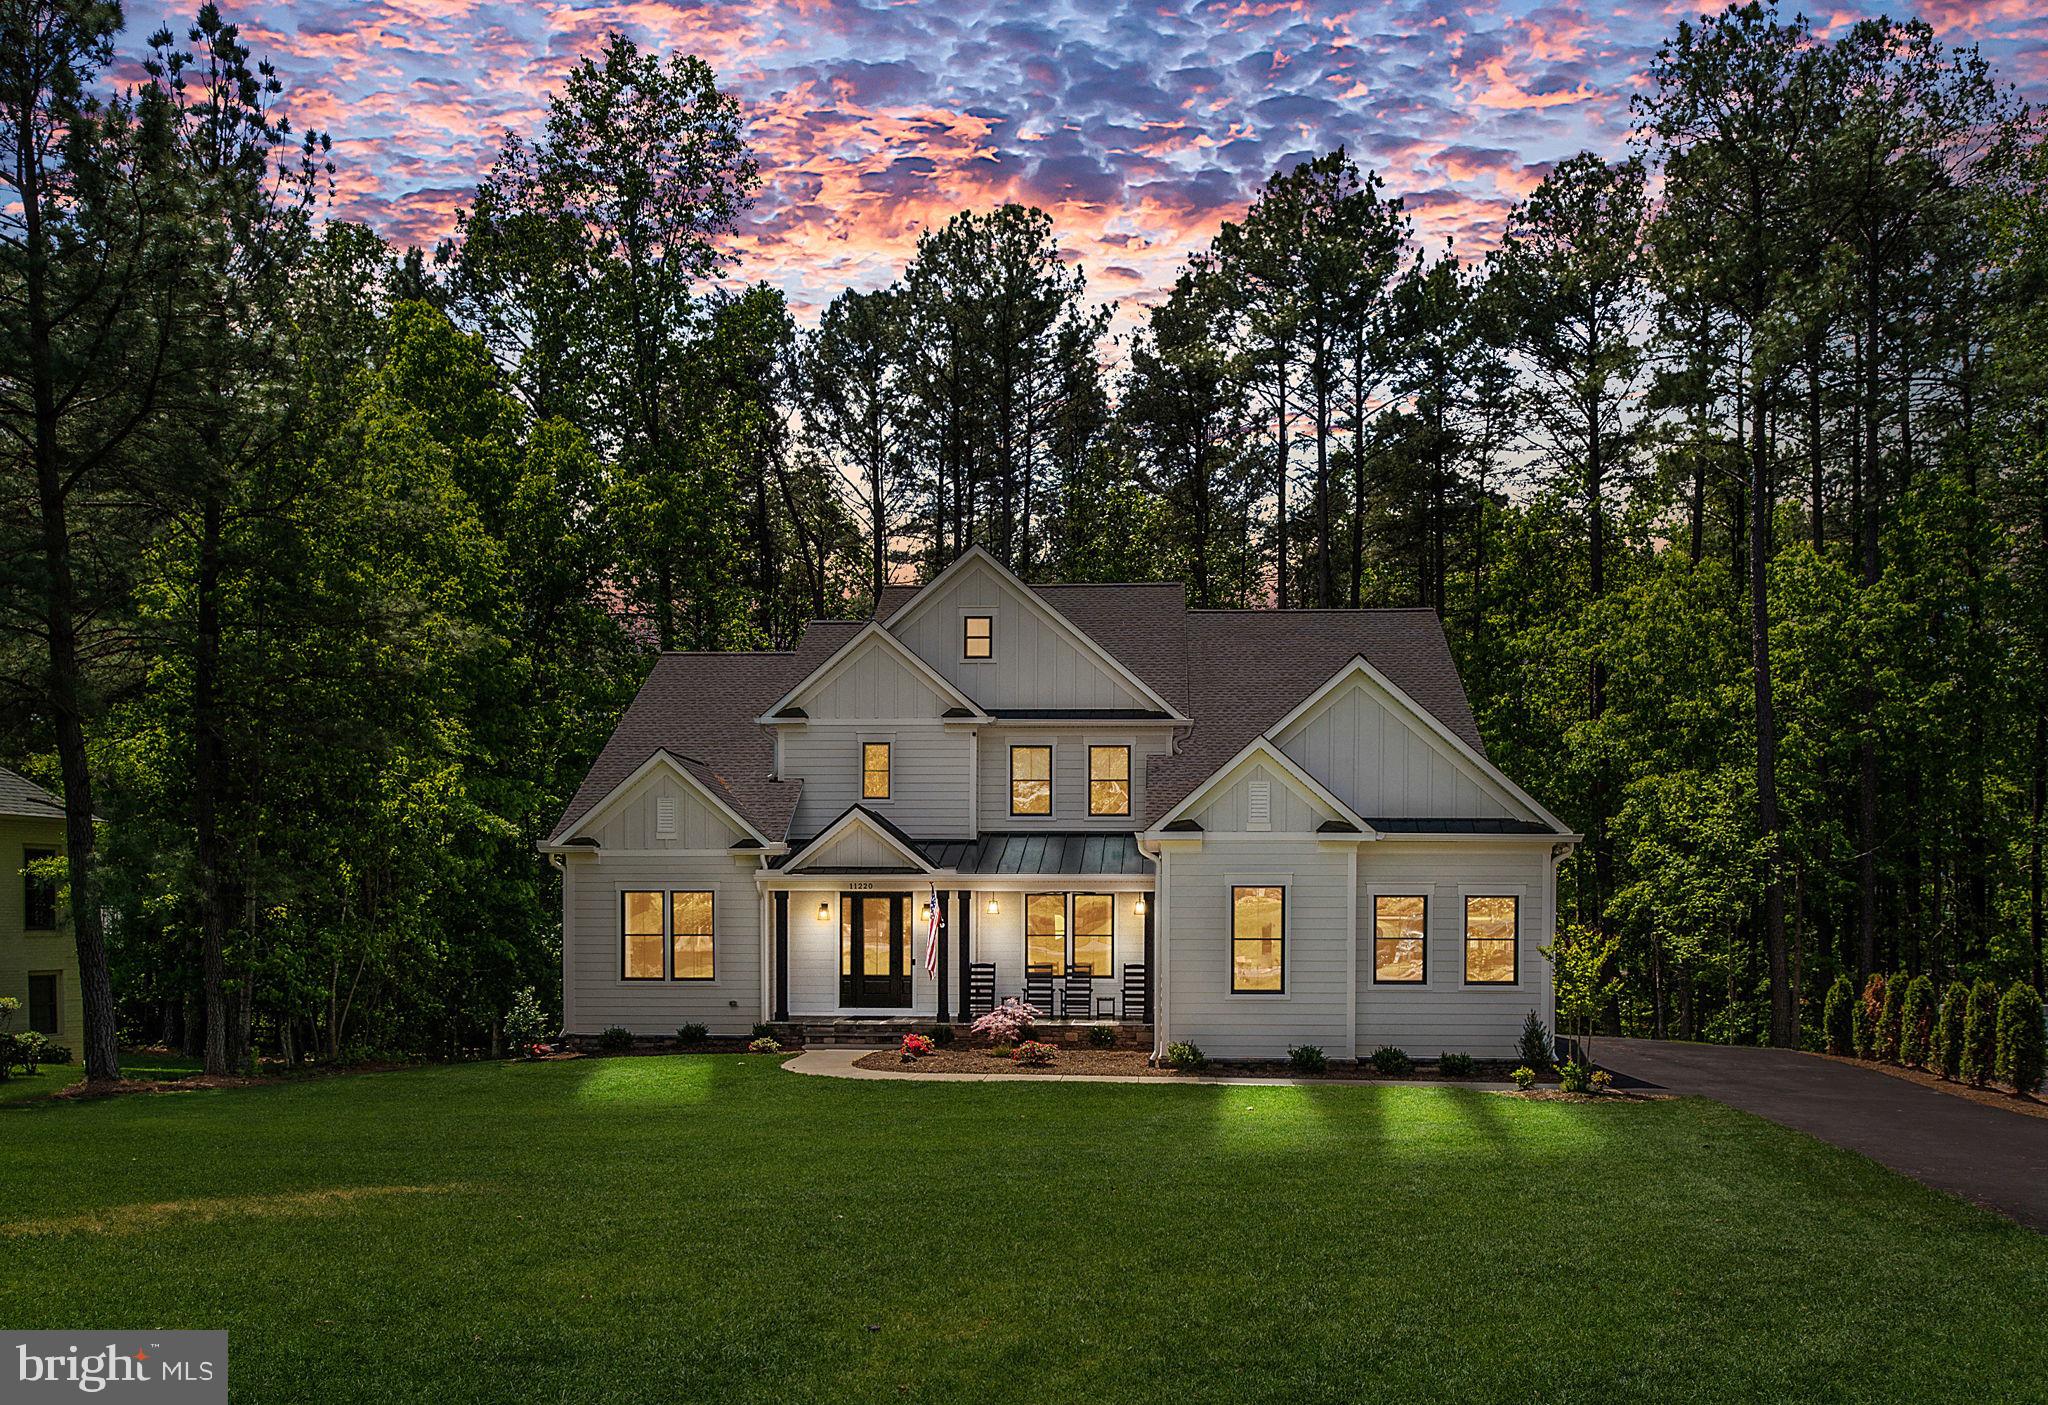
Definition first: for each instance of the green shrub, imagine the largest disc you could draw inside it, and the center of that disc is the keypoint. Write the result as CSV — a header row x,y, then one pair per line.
x,y
1862,1034
1574,1076
10,1054
31,1048
1980,1033
1185,1056
1870,1006
766,1044
763,1031
942,1034
2020,1050
1524,1077
1455,1065
1916,1021
1307,1058
1836,1021
1001,1051
1601,1082
1102,1036
1034,1053
1889,1017
1533,1047
615,1040
1391,1061
1947,1049
692,1033
56,1053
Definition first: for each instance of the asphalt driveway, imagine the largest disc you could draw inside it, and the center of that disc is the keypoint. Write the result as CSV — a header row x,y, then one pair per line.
x,y
1995,1158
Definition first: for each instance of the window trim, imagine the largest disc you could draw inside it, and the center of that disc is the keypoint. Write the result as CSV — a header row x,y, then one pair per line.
x,y
1236,882
888,745
977,613
1066,933
1074,932
1129,793
662,935
668,914
1373,897
30,884
1465,896
1051,795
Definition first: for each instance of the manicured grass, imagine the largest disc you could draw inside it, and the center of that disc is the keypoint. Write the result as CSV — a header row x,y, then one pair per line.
x,y
711,1228
141,1064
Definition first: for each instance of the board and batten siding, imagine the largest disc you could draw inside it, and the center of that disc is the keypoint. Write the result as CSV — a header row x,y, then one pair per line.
x,y
1364,750
595,993
1444,1014
1289,811
633,821
928,773
1069,775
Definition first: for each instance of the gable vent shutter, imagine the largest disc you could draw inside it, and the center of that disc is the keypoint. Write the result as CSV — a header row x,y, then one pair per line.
x,y
1260,813
665,817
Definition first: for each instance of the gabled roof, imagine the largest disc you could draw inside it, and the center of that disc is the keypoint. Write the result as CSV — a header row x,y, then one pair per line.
x,y
686,769
784,708
860,816
23,798
1265,750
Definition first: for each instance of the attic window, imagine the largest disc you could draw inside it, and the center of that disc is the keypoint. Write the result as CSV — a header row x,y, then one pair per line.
x,y
1259,805
978,639
665,817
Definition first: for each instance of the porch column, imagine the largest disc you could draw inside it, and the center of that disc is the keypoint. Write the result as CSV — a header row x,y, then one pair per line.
x,y
782,955
1151,901
945,1016
966,900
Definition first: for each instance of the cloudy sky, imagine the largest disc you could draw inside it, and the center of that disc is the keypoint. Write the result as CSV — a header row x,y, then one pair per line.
x,y
1140,127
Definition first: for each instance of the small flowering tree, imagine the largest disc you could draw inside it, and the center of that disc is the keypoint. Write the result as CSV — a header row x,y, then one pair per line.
x,y
1008,1022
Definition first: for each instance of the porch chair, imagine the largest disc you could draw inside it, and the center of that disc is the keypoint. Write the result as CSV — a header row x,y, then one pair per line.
x,y
1076,995
981,988
1038,988
1137,997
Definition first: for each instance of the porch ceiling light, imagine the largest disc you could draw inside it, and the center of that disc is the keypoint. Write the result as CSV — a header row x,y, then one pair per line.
x,y
824,912
993,906
1139,906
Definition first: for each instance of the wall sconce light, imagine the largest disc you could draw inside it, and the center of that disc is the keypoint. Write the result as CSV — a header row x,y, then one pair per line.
x,y
924,912
1139,906
993,906
824,912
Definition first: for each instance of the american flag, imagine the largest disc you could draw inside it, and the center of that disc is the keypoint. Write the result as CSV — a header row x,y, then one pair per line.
x,y
934,924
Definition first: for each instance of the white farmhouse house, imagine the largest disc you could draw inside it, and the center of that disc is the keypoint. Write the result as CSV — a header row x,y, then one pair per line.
x,y
1248,829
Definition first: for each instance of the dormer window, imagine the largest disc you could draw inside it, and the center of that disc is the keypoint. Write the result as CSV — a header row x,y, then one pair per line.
x,y
978,637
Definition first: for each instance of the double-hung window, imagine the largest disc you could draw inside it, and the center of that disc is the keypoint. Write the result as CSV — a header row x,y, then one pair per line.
x,y
874,770
1258,939
667,935
1399,938
643,936
1031,780
690,940
1491,928
1109,780
978,637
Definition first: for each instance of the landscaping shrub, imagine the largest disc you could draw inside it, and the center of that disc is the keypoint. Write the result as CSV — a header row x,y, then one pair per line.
x,y
943,1035
1916,1021
1389,1060
56,1053
1947,1047
692,1033
1862,1035
766,1044
915,1046
526,1024
10,1054
615,1040
1889,1016
1867,1009
1009,1023
1575,1077
1533,1047
1102,1036
1836,1021
763,1031
1980,1033
1524,1077
2019,1038
1185,1056
1455,1065
1307,1058
1602,1081
31,1048
1034,1053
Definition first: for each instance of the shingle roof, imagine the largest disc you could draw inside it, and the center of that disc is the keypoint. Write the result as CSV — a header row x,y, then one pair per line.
x,y
21,796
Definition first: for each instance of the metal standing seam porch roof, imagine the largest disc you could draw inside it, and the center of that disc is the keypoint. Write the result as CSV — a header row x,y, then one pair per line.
x,y
1050,852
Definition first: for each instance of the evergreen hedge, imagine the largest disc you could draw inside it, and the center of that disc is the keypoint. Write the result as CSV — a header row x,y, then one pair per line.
x,y
2020,1051
1916,1022
1890,1015
1836,1020
1980,1033
1948,1030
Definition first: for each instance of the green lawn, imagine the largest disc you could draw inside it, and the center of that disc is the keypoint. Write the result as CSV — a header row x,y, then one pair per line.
x,y
135,1063
668,1229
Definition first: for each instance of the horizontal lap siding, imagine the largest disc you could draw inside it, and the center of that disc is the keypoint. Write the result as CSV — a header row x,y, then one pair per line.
x,y
1317,1006
1069,776
1000,939
1444,1015
928,776
596,996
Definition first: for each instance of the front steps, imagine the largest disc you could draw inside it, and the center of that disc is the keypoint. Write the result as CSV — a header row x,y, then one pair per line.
x,y
887,1031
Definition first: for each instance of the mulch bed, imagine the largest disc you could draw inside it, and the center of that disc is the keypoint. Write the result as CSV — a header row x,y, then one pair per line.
x,y
1997,1096
121,1086
1132,1063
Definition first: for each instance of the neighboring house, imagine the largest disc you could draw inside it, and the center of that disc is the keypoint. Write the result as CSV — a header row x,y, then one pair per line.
x,y
1253,828
38,958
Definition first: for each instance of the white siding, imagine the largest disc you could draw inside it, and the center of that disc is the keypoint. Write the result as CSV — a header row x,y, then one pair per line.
x,y
595,994
856,846
1035,663
871,681
928,776
1069,775
1001,938
631,821
1444,1015
1365,751
814,951
1316,1008
1229,810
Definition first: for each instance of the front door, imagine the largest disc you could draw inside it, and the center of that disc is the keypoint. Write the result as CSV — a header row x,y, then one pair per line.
x,y
874,950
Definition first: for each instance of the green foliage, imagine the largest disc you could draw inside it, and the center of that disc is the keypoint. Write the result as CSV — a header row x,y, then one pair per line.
x,y
614,1039
1523,1077
2020,1038
1890,1018
526,1023
692,1034
1579,961
1862,1032
1947,1045
1532,1045
1034,1053
1186,1056
1837,1018
1456,1065
1307,1058
1391,1061
1980,1034
764,1045
1102,1036
1575,1076
762,1031
1916,1022
944,1034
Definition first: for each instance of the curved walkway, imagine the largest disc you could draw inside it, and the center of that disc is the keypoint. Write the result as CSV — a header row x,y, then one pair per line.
x,y
1986,1155
839,1063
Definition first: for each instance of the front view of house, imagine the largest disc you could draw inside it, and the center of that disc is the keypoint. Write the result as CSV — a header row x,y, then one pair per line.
x,y
1248,829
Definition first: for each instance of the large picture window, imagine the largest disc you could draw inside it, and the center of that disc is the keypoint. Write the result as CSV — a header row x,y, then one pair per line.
x,y
874,771
978,638
1491,927
1045,931
1399,939
1094,919
1258,940
1109,780
690,939
643,936
1030,780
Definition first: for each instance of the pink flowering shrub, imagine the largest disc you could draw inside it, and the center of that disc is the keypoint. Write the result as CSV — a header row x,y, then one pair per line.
x,y
916,1046
1034,1053
1008,1022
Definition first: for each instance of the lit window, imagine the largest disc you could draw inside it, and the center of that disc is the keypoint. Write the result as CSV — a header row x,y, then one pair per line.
x,y
1045,931
1258,940
1490,928
643,936
1397,939
690,936
874,771
38,893
979,639
1030,780
1109,780
1092,924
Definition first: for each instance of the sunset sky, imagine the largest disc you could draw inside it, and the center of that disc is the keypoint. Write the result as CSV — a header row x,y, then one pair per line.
x,y
1139,127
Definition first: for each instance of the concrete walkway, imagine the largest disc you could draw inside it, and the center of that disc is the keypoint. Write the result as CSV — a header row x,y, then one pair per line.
x,y
1986,1155
839,1063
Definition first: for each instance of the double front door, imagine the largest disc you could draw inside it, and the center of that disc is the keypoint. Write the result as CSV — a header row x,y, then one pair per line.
x,y
874,950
